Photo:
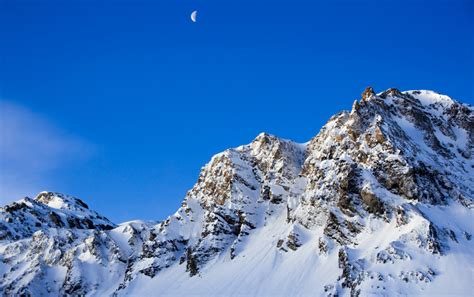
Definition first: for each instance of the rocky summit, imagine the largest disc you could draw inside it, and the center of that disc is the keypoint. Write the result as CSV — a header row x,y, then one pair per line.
x,y
379,202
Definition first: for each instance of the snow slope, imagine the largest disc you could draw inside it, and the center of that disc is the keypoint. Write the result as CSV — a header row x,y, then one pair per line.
x,y
380,202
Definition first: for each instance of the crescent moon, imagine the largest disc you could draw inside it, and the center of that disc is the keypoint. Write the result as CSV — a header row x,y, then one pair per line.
x,y
193,16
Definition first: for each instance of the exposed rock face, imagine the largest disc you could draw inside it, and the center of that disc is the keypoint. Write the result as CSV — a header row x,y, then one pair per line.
x,y
368,93
376,203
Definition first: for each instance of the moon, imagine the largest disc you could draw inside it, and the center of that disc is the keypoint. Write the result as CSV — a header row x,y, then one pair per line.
x,y
193,16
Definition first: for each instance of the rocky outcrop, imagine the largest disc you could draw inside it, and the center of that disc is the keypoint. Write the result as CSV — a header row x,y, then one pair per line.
x,y
48,210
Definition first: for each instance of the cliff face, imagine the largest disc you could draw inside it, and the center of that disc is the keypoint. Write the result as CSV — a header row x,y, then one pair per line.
x,y
379,202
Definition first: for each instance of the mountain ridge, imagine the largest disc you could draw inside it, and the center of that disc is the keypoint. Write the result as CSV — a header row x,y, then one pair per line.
x,y
358,209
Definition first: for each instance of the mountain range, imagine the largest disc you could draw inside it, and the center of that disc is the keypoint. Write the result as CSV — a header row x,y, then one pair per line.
x,y
379,202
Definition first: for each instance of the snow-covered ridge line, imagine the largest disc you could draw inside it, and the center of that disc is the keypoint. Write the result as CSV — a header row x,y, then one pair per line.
x,y
380,202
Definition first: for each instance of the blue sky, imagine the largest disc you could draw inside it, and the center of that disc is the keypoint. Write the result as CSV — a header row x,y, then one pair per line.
x,y
122,102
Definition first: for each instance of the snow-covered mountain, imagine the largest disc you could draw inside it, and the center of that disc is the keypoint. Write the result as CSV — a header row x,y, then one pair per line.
x,y
380,202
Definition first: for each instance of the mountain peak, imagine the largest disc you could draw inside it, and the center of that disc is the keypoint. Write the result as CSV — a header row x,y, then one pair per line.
x,y
368,93
265,138
60,201
48,211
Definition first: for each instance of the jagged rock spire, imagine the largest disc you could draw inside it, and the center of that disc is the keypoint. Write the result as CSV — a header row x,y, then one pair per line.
x,y
368,93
